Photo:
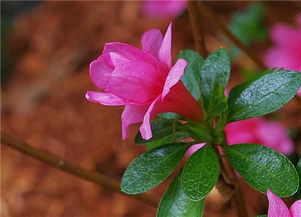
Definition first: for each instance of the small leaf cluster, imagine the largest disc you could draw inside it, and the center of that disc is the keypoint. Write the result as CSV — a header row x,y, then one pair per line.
x,y
260,166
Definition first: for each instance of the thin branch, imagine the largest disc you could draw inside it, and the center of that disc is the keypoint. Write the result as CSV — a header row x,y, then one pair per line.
x,y
59,163
197,28
229,178
219,25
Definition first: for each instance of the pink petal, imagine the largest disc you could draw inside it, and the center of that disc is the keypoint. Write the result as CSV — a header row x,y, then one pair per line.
x,y
296,209
165,49
242,131
194,148
104,98
163,9
274,135
145,128
135,81
100,70
174,75
280,32
277,208
151,42
129,52
131,114
299,92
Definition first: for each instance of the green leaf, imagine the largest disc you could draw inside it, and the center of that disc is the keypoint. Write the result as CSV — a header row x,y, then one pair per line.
x,y
200,173
262,216
264,168
215,74
176,204
151,168
192,76
263,94
164,132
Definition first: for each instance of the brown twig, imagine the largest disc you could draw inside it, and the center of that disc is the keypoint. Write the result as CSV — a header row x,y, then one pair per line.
x,y
59,163
206,12
197,28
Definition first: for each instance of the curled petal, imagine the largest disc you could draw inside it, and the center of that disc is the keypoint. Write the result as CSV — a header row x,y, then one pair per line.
x,y
165,49
100,71
174,75
104,98
151,42
296,209
145,128
277,208
131,114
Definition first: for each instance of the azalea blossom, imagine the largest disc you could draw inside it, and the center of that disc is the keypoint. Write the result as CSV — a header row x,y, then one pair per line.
x,y
277,208
142,80
163,9
286,52
257,130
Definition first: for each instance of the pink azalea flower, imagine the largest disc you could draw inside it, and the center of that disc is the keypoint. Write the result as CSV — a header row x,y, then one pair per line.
x,y
257,130
277,208
286,52
143,80
163,9
260,131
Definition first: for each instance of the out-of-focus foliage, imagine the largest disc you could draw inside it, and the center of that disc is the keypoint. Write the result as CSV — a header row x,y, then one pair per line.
x,y
247,25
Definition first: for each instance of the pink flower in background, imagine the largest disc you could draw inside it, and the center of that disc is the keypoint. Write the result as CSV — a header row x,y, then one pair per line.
x,y
277,208
286,52
144,81
257,130
163,9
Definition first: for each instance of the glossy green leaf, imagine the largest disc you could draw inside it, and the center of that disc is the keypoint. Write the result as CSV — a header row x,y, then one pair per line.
x,y
262,216
200,173
192,76
263,94
215,74
164,132
264,168
151,168
176,204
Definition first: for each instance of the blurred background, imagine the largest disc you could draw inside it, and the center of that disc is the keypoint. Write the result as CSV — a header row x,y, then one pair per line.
x,y
46,48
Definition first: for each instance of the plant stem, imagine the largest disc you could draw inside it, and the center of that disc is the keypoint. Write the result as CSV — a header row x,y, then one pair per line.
x,y
197,28
230,178
59,163
219,25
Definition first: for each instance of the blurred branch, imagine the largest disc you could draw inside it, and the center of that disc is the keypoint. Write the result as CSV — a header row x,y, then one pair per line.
x,y
197,28
59,163
219,25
